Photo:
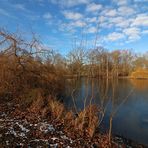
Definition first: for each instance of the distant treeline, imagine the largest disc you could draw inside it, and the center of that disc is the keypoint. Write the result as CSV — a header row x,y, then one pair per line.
x,y
27,66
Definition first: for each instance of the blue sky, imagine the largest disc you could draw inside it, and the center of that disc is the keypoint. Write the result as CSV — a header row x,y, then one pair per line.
x,y
66,24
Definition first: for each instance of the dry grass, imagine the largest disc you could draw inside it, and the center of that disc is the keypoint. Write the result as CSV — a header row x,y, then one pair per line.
x,y
85,123
56,108
87,120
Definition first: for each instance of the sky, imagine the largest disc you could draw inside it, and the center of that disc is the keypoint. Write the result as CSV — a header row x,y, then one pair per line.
x,y
67,24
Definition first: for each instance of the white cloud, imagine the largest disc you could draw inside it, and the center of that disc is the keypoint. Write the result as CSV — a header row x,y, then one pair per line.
x,y
21,7
5,13
78,23
47,16
120,21
91,20
123,24
145,32
72,15
125,10
141,1
102,19
93,7
134,38
72,25
112,13
120,2
140,20
92,29
114,36
132,33
69,3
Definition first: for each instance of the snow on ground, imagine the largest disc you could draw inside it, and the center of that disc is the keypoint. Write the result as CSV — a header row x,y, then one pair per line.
x,y
18,132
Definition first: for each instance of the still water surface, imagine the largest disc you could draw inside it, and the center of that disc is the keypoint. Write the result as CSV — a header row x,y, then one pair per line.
x,y
129,98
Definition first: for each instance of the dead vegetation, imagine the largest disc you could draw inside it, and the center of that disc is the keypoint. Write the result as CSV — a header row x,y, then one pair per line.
x,y
24,75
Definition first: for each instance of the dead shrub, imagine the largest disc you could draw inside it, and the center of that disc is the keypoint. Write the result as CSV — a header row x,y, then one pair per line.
x,y
24,75
56,108
37,100
87,120
68,119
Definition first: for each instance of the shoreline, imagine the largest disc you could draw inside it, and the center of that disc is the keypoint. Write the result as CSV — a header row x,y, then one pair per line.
x,y
120,77
30,129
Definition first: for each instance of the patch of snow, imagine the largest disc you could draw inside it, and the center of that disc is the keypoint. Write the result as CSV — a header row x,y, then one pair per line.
x,y
6,120
54,138
12,131
60,132
22,127
66,138
22,135
35,140
20,144
46,128
35,124
7,142
39,140
3,115
54,145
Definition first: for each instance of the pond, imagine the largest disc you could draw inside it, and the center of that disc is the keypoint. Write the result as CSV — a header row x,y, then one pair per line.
x,y
127,99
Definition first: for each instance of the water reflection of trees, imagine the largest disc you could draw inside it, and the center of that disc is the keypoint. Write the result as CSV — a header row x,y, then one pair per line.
x,y
99,90
141,84
105,93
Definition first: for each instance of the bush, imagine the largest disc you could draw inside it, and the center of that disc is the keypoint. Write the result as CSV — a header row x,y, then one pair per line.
x,y
23,73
